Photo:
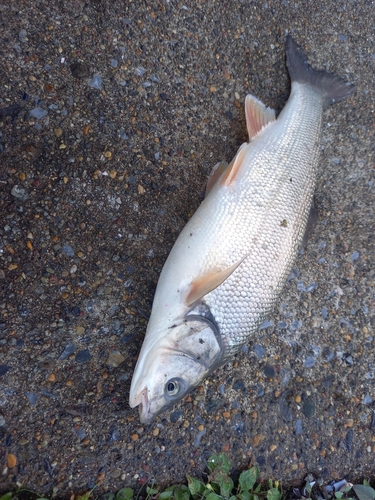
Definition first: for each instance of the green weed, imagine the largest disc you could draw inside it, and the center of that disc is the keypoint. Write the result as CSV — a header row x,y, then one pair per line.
x,y
219,486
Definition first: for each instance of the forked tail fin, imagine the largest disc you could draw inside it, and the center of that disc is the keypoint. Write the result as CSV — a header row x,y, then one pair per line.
x,y
333,87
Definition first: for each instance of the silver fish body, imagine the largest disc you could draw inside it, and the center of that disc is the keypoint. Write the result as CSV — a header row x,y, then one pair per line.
x,y
230,262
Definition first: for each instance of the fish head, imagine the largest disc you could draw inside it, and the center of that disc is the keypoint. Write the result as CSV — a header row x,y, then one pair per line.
x,y
171,367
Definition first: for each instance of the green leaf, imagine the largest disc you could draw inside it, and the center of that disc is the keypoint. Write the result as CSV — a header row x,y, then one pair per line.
x,y
273,494
339,494
151,491
366,483
196,487
165,495
248,478
364,492
308,487
125,494
257,489
85,496
7,496
213,496
226,486
108,496
219,461
182,493
244,495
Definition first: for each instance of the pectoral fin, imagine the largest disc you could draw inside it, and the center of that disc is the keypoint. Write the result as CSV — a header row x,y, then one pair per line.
x,y
216,173
202,285
258,116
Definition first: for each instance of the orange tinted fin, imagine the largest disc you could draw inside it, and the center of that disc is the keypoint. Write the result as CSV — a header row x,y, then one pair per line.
x,y
203,285
234,166
258,115
216,173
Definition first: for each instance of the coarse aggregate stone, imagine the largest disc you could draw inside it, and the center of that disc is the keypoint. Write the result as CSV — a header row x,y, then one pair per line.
x,y
112,115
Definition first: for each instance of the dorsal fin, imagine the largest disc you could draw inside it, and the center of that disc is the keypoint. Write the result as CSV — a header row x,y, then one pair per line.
x,y
216,173
258,116
234,166
202,285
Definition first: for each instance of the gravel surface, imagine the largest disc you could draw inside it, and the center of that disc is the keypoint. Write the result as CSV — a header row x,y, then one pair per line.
x,y
112,115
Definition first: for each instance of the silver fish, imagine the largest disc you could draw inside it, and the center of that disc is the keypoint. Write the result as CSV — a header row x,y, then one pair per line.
x,y
229,264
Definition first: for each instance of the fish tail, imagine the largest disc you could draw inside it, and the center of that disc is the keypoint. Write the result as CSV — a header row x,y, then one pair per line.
x,y
333,87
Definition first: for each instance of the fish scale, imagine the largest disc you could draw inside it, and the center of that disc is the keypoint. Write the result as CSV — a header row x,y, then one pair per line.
x,y
227,268
268,198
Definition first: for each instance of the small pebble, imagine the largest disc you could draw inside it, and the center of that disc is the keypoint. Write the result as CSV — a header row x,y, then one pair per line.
x,y
265,324
51,377
198,438
259,351
349,438
257,439
33,398
309,362
115,359
298,426
175,415
308,408
239,385
22,36
4,369
83,356
269,371
96,82
69,349
156,431
134,437
68,250
11,460
38,113
19,192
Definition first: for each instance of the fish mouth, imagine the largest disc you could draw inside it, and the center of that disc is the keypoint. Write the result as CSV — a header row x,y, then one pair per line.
x,y
144,406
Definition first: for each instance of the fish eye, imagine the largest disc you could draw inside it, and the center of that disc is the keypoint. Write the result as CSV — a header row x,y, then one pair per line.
x,y
173,387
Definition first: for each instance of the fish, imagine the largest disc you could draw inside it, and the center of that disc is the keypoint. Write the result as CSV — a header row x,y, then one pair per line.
x,y
229,264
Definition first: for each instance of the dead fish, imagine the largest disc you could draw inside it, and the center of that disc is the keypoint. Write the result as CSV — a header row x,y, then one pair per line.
x,y
229,264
